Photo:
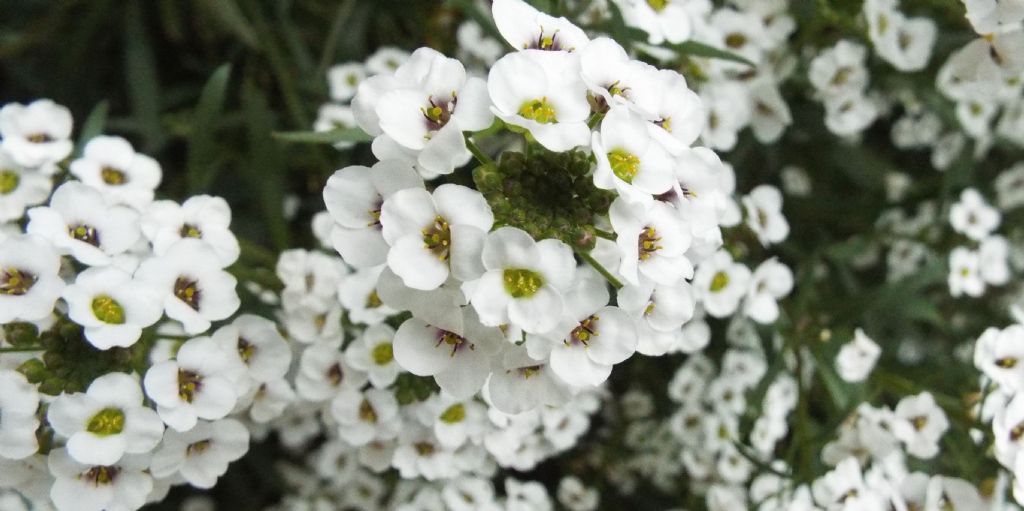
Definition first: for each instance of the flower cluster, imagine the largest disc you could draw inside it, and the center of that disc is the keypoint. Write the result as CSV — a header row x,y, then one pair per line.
x,y
94,274
567,255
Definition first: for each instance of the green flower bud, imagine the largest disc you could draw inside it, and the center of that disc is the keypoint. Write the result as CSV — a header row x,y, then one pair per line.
x,y
21,334
33,369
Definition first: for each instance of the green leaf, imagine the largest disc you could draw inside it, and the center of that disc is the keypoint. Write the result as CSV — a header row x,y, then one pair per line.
x,y
231,18
201,162
698,49
141,79
323,137
265,167
93,125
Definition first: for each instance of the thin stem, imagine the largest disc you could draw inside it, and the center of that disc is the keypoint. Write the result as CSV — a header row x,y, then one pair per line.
x,y
21,349
605,234
600,269
478,154
594,120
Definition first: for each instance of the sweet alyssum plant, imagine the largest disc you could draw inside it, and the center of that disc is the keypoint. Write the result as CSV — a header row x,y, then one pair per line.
x,y
548,263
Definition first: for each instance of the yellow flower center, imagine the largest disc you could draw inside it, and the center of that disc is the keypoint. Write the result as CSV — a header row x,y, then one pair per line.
x,y
522,283
190,231
539,110
108,310
455,413
85,234
720,280
366,412
383,353
9,181
647,243
188,384
658,5
112,176
584,332
16,282
625,165
187,290
108,421
438,238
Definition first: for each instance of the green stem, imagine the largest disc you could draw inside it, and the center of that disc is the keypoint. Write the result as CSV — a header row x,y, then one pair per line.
x,y
600,269
21,349
478,154
605,234
594,120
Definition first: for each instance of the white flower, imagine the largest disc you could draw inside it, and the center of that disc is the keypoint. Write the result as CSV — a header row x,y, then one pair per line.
x,y
203,217
541,92
386,60
993,256
311,279
844,489
1010,187
740,32
364,417
194,289
609,73
198,385
519,384
36,135
435,235
79,222
107,421
354,196
769,113
343,80
256,345
673,111
727,111
1000,355
978,70
524,280
849,114
358,295
990,16
373,353
628,159
20,188
659,311
591,336
771,282
721,283
478,45
906,43
29,281
455,422
662,20
429,113
309,325
921,424
111,165
653,242
524,27
83,487
19,401
857,358
323,372
458,360
839,70
965,273
420,455
113,307
972,216
201,455
575,496
270,400
330,117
